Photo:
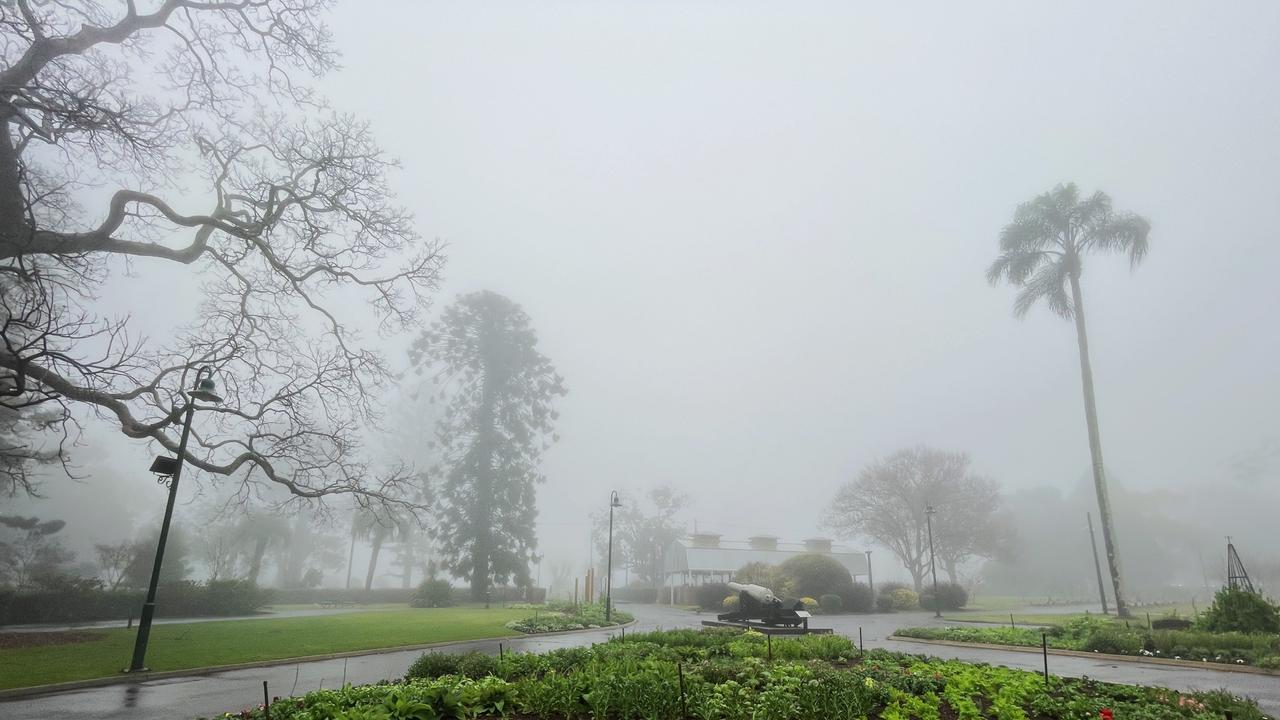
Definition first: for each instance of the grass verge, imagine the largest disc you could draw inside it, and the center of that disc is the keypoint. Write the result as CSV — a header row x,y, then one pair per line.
x,y
101,653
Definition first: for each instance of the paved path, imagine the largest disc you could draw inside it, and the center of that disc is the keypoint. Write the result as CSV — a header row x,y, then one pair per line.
x,y
206,695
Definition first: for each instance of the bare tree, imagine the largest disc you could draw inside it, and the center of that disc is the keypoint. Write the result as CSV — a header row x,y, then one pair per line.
x,y
218,161
887,503
220,549
113,561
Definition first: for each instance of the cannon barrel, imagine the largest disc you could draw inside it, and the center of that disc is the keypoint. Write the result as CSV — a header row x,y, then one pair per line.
x,y
760,593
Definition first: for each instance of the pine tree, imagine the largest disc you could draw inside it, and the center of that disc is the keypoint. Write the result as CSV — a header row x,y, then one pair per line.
x,y
498,392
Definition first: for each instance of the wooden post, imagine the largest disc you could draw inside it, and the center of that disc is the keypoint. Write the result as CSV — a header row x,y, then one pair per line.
x,y
684,710
266,701
1044,650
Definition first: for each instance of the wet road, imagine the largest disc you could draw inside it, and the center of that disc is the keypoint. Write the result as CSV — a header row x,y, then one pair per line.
x,y
207,695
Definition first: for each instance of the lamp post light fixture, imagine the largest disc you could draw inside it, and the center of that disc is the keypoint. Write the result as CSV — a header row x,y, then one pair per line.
x,y
614,502
929,512
170,471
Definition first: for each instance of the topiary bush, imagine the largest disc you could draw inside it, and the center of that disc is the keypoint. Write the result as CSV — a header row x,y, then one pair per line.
x,y
813,575
831,603
951,596
1240,611
433,593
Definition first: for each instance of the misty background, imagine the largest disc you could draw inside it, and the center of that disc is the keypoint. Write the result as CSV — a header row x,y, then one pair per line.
x,y
752,239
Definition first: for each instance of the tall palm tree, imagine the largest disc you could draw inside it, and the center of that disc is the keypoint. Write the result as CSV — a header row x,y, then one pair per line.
x,y
1042,252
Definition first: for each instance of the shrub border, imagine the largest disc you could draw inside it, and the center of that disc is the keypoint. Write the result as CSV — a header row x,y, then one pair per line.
x,y
124,679
1215,666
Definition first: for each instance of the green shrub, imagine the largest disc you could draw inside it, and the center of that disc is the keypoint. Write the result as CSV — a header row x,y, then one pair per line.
x,y
765,575
1171,623
1118,641
711,597
1240,611
812,575
952,596
905,599
433,593
476,665
433,665
884,596
831,603
859,598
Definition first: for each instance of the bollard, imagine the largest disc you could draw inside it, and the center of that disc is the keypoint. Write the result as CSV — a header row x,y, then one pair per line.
x,y
1044,650
499,652
266,701
1011,625
861,648
769,637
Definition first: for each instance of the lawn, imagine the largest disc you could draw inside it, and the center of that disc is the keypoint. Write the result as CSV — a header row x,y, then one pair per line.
x,y
101,653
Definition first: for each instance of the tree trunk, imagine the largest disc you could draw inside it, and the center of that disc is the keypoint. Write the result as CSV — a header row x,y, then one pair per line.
x,y
917,578
1095,449
373,560
406,580
259,549
351,554
950,567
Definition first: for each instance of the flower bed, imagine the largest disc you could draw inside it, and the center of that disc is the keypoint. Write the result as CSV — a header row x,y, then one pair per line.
x,y
1105,636
726,675
560,617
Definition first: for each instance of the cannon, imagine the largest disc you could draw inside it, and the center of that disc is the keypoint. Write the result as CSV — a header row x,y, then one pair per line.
x,y
759,607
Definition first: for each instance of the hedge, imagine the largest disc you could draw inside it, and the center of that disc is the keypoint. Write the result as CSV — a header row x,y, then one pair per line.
x,y
84,604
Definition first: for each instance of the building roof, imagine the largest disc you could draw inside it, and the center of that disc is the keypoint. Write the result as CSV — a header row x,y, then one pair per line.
x,y
729,556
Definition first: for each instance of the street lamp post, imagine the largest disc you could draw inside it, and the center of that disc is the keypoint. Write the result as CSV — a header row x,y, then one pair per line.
x,y
172,468
929,512
608,575
871,582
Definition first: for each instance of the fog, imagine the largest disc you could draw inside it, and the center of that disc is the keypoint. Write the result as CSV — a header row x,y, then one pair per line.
x,y
752,238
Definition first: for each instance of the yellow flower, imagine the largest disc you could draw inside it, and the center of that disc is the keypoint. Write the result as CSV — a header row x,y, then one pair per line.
x,y
869,683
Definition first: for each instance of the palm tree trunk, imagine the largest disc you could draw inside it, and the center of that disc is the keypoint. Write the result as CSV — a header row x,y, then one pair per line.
x,y
1095,449
373,560
351,554
259,549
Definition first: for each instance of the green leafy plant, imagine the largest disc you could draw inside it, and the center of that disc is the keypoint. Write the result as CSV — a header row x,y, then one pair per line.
x,y
1235,610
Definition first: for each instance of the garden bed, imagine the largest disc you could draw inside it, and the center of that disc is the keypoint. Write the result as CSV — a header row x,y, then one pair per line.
x,y
730,675
559,617
1103,636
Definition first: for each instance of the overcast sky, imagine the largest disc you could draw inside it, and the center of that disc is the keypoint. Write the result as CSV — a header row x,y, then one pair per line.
x,y
752,236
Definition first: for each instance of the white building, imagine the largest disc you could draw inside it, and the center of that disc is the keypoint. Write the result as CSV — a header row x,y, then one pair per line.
x,y
705,558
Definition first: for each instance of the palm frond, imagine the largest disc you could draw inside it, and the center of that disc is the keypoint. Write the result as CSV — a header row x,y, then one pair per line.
x,y
1049,283
1016,266
1124,232
1092,210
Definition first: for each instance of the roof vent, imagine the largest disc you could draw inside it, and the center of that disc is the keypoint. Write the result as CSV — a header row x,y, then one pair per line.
x,y
705,540
818,545
763,542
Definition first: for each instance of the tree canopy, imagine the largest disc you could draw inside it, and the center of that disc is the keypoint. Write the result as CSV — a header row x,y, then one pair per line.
x,y
888,500
181,136
499,392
